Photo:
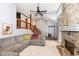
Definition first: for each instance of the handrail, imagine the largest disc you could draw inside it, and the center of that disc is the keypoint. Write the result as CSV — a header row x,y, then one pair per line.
x,y
32,27
24,15
35,29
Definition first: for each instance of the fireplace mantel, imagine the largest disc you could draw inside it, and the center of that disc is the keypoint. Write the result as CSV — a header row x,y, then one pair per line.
x,y
70,28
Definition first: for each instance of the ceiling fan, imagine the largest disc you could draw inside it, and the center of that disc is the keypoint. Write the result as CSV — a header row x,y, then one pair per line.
x,y
39,12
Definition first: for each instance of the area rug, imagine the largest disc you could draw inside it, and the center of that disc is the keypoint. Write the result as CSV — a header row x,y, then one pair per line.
x,y
63,51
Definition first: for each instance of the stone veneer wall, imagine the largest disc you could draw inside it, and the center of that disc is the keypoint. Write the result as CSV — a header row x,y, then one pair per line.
x,y
70,18
70,14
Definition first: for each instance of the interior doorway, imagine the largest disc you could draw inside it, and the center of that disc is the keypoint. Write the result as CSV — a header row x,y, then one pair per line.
x,y
51,31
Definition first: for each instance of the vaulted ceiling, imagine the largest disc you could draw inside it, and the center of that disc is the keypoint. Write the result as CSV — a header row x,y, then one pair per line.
x,y
51,8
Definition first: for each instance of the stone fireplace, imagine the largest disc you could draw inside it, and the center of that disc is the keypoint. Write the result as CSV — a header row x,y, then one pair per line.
x,y
68,22
70,41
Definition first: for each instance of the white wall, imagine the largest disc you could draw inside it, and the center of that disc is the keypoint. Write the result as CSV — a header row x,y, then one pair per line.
x,y
8,15
42,25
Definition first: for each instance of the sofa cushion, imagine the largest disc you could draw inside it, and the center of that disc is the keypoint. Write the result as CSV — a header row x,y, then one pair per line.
x,y
22,38
26,37
35,37
14,47
4,52
7,42
8,53
19,39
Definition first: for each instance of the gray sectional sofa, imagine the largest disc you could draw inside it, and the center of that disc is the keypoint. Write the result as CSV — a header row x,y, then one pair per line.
x,y
13,45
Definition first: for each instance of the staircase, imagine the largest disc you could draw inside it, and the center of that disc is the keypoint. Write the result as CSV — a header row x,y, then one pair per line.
x,y
37,38
33,28
27,23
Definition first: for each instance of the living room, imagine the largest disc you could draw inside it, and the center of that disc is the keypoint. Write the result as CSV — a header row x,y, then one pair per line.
x,y
51,29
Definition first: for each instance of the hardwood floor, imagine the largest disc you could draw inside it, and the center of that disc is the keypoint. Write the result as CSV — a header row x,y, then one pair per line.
x,y
49,49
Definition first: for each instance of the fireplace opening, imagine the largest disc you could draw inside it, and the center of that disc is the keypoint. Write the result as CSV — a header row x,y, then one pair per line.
x,y
70,47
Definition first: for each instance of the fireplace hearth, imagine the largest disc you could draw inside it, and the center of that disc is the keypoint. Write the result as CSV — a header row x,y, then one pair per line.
x,y
70,47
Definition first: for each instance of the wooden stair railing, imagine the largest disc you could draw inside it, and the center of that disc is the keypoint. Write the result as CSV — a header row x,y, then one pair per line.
x,y
33,28
26,23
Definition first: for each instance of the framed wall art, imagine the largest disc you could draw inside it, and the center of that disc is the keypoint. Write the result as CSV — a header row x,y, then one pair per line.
x,y
6,29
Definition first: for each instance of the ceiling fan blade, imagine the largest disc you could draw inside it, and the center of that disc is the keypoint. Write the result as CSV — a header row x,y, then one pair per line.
x,y
44,11
39,13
